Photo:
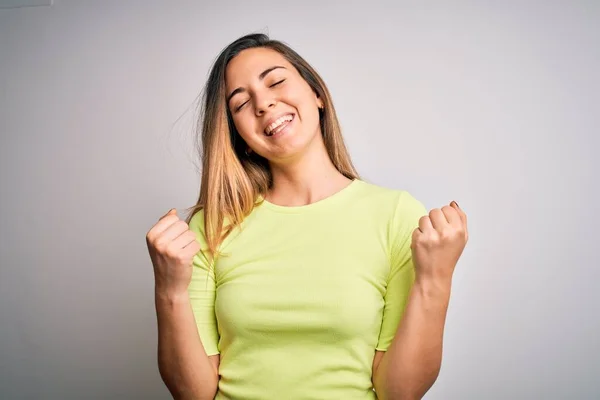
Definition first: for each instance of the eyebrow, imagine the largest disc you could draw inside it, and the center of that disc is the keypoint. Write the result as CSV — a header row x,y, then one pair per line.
x,y
261,77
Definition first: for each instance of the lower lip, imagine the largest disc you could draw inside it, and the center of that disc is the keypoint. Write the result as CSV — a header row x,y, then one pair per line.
x,y
284,130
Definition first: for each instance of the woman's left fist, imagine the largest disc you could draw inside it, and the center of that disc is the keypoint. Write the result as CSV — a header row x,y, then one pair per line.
x,y
438,242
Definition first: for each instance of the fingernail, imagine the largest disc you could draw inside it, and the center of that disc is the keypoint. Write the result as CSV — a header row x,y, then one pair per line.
x,y
456,203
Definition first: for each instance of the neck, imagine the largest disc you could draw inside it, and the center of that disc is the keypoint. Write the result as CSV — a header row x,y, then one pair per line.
x,y
307,179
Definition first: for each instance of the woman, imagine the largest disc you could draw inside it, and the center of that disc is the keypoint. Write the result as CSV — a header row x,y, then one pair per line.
x,y
292,278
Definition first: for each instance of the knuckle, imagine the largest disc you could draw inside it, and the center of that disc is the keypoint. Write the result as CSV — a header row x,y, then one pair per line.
x,y
159,243
415,237
196,247
183,258
422,240
433,239
169,251
447,233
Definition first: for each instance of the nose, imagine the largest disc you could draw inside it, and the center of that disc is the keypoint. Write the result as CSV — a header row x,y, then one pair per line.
x,y
263,103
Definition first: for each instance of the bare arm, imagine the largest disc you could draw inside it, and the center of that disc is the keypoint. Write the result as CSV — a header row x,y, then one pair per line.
x,y
412,363
410,366
182,361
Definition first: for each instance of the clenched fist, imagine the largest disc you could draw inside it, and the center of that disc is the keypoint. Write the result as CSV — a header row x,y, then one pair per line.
x,y
438,242
172,246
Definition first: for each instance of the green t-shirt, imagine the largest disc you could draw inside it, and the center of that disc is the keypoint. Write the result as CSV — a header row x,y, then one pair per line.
x,y
303,296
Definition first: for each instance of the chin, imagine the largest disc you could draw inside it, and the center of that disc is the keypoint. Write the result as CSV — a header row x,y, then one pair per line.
x,y
293,148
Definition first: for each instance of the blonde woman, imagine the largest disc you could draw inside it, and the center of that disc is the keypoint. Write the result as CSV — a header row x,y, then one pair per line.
x,y
292,278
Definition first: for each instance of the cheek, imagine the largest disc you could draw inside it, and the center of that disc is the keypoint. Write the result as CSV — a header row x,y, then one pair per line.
x,y
299,96
303,100
246,127
308,108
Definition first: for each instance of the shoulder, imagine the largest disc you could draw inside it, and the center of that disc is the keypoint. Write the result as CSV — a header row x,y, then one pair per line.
x,y
399,203
196,223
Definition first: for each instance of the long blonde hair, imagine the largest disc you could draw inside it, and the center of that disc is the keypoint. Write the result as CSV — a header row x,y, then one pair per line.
x,y
233,181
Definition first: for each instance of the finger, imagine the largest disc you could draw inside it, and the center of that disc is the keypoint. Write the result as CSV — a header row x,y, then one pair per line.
x,y
415,237
462,215
452,216
165,222
175,230
184,239
172,211
438,220
192,248
425,224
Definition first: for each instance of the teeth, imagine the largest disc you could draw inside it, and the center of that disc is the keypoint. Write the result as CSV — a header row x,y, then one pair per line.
x,y
271,128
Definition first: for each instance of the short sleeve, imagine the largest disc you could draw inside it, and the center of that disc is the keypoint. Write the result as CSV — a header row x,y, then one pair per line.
x,y
402,275
202,291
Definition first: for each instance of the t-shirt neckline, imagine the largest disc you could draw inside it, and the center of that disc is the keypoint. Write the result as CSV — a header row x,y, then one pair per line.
x,y
326,202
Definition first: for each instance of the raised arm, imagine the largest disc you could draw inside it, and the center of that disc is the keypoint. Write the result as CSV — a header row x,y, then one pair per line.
x,y
182,361
185,367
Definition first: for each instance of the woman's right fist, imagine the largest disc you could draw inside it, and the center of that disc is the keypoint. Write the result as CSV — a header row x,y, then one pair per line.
x,y
172,246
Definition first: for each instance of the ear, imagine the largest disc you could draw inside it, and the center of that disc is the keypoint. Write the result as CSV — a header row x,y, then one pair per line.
x,y
318,100
320,103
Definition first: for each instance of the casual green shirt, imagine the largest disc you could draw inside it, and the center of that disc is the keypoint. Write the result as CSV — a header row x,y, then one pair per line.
x,y
303,296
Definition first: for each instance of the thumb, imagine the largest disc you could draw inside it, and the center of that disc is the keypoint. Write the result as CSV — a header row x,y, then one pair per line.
x,y
172,211
462,214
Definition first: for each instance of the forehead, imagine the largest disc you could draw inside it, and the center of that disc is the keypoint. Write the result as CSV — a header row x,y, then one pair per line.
x,y
249,63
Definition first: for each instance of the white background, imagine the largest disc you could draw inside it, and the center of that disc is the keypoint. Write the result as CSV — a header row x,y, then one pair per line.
x,y
493,104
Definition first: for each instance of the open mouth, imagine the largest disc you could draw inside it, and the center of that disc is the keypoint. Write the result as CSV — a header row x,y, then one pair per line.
x,y
277,126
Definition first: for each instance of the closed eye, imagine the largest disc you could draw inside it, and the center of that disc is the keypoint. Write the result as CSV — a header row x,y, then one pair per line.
x,y
277,83
241,105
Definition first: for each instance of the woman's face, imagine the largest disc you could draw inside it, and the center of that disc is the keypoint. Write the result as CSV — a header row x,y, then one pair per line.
x,y
273,107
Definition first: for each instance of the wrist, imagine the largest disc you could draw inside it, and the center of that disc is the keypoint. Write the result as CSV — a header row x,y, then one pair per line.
x,y
433,286
170,296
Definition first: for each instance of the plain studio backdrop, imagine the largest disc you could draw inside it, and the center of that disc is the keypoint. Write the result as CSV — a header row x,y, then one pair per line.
x,y
493,104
